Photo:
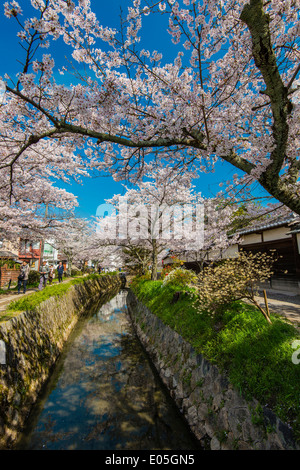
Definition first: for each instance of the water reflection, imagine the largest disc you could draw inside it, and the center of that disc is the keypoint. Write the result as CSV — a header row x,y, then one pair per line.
x,y
104,395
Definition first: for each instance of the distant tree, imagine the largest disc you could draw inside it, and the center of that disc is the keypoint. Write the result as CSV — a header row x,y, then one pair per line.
x,y
71,241
137,259
157,215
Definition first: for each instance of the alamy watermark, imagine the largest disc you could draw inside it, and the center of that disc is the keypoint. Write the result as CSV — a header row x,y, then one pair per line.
x,y
2,352
179,222
2,91
296,354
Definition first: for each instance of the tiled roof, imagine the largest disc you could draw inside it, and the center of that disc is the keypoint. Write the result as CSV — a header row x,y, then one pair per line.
x,y
295,229
279,222
7,254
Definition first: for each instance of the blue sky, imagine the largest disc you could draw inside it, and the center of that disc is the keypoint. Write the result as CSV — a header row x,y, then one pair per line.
x,y
94,191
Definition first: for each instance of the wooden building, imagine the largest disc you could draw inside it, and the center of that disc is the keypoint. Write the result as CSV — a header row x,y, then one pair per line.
x,y
281,235
31,252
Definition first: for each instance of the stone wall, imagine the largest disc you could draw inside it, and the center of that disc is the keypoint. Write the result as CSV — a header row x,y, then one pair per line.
x,y
217,414
33,341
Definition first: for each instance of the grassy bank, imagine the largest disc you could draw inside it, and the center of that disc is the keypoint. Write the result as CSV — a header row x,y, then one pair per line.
x,y
256,356
31,301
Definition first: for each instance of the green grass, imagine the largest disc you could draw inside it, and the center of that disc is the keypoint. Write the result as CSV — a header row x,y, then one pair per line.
x,y
31,301
8,291
256,356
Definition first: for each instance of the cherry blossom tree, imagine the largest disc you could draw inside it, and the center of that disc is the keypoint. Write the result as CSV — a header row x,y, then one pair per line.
x,y
164,214
158,214
137,259
71,240
29,196
231,92
218,236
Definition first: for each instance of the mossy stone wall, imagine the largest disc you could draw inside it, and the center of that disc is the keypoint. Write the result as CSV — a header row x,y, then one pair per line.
x,y
218,415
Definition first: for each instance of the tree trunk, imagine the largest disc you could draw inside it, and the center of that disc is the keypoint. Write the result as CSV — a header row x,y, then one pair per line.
x,y
278,95
154,261
261,310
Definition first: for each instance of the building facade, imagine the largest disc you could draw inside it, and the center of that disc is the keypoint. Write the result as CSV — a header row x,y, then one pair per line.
x,y
280,236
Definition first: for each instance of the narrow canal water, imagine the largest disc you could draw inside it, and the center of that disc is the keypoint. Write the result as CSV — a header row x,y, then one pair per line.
x,y
105,395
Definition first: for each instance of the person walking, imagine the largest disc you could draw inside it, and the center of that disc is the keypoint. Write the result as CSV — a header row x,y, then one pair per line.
x,y
60,271
44,272
23,276
51,274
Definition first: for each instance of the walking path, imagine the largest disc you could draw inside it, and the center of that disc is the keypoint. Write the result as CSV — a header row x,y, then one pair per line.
x,y
284,303
5,299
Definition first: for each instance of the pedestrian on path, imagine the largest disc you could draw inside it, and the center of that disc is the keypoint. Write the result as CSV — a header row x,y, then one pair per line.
x,y
60,271
51,274
44,272
23,276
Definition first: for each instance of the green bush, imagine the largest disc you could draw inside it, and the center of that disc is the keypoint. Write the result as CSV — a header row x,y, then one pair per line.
x,y
33,278
180,277
11,264
76,272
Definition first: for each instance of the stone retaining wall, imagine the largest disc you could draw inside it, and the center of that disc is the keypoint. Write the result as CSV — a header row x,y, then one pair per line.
x,y
217,414
33,341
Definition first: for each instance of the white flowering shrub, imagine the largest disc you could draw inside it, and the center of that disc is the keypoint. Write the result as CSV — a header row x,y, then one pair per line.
x,y
180,276
232,280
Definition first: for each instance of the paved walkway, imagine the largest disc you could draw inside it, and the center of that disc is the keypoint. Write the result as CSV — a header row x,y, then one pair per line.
x,y
5,299
286,304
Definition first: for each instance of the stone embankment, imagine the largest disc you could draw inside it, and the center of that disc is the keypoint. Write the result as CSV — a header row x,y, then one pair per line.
x,y
217,414
33,341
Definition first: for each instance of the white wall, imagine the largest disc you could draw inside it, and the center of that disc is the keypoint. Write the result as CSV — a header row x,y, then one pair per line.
x,y
231,252
276,234
250,238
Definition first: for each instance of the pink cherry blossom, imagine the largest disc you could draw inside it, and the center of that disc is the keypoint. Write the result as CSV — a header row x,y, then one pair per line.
x,y
219,97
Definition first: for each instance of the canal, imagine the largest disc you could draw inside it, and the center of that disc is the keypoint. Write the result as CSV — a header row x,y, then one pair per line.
x,y
104,393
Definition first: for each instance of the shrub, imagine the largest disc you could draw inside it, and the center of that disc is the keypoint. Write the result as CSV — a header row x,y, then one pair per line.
x,y
166,271
234,279
180,277
11,264
176,263
76,272
33,277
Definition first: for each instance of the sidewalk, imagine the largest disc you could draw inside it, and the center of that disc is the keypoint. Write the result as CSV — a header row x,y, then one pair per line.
x,y
284,303
5,299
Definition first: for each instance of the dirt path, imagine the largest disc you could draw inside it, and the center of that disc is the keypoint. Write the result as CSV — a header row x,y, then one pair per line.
x,y
7,298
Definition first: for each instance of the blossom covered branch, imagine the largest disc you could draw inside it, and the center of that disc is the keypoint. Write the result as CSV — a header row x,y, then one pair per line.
x,y
231,91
